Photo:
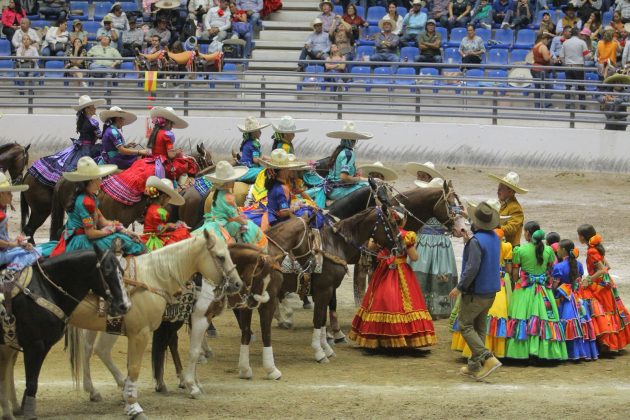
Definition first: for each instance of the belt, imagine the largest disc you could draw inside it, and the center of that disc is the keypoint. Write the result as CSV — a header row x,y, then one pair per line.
x,y
531,279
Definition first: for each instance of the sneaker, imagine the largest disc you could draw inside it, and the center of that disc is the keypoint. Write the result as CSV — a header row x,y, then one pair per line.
x,y
505,26
485,25
466,372
490,365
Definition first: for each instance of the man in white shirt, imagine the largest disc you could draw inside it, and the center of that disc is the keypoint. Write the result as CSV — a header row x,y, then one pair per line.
x,y
572,54
217,22
199,8
25,29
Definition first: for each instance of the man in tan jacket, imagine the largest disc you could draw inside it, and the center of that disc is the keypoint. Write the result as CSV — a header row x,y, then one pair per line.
x,y
508,188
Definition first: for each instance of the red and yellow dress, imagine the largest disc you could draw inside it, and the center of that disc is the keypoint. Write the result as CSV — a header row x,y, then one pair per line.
x,y
156,235
393,312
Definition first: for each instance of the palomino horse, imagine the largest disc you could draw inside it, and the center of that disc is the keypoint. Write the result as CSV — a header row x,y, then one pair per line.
x,y
42,310
13,159
158,277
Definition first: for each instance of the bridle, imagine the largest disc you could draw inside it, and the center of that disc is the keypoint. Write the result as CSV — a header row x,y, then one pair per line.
x,y
247,293
225,274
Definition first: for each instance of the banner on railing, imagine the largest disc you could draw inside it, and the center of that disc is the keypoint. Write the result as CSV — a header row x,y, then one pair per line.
x,y
150,81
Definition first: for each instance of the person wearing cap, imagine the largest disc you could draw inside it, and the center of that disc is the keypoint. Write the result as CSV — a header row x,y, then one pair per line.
x,y
107,30
327,16
86,226
429,44
217,22
414,22
115,150
78,32
478,284
614,100
569,19
573,53
158,231
252,9
547,24
48,170
317,45
607,50
506,193
23,30
162,32
107,57
56,39
386,42
133,39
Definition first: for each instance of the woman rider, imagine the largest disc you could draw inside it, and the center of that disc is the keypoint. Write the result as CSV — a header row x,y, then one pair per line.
x,y
250,154
115,150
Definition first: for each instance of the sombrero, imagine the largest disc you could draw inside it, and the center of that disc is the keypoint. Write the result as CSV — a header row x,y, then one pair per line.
x,y
472,205
385,20
426,167
224,173
520,77
117,112
287,125
251,125
321,5
617,79
436,182
316,21
349,132
5,184
167,4
169,114
484,216
166,186
87,170
510,180
85,101
280,159
111,9
388,173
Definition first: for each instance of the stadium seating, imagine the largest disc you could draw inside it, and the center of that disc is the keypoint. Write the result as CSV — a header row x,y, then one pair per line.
x,y
5,47
518,55
457,34
409,52
443,35
451,56
525,38
363,51
382,72
370,32
374,14
503,38
313,75
79,6
360,75
101,8
497,57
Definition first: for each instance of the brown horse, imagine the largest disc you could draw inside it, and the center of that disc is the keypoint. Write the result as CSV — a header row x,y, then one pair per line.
x,y
13,159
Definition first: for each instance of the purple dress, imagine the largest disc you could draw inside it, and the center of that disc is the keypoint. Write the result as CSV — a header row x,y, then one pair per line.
x,y
112,140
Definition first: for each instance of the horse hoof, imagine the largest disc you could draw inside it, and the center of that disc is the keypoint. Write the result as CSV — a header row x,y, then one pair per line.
x,y
140,416
202,360
18,411
196,393
161,388
96,397
181,385
275,375
324,360
341,340
330,341
285,325
331,354
8,417
208,353
246,374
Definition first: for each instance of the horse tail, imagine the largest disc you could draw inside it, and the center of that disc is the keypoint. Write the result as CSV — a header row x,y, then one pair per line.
x,y
24,211
161,339
74,344
57,213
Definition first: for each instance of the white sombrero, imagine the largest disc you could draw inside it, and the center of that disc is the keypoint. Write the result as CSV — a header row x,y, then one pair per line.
x,y
385,20
117,112
287,125
166,186
426,167
349,132
169,114
510,180
434,183
496,204
167,4
87,170
85,101
388,173
5,184
316,21
251,124
280,159
224,173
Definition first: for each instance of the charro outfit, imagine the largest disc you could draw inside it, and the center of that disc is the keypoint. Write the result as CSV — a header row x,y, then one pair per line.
x,y
513,226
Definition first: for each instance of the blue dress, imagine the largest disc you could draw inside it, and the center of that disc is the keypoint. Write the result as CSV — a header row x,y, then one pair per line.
x,y
112,140
16,258
250,149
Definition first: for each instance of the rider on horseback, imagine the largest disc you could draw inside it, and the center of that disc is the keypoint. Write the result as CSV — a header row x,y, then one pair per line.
x,y
158,232
250,154
115,151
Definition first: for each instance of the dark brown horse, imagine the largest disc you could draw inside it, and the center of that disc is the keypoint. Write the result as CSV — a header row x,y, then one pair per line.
x,y
13,159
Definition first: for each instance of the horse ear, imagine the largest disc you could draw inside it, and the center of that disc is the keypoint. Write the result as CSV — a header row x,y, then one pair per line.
x,y
210,239
198,149
117,246
28,146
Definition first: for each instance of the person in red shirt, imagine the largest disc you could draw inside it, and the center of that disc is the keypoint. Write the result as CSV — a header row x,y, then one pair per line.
x,y
355,21
11,17
241,28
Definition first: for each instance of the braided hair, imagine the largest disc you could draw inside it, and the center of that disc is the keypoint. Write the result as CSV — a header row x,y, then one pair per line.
x,y
537,236
571,251
81,119
80,188
587,231
345,144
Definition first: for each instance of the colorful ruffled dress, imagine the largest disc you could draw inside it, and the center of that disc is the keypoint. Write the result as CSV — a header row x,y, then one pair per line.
x,y
393,312
497,319
16,258
112,140
614,325
85,214
259,191
155,235
579,331
48,170
280,197
250,149
534,327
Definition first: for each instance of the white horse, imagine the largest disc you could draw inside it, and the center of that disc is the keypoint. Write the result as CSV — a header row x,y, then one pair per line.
x,y
158,277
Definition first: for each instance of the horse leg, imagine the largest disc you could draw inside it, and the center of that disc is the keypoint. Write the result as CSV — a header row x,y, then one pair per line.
x,y
199,324
321,297
33,359
265,312
245,323
284,313
17,409
103,350
135,350
5,365
177,360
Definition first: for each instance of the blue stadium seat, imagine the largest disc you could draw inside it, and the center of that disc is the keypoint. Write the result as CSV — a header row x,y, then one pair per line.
x,y
406,77
312,77
91,27
129,7
52,65
223,76
6,68
409,52
101,8
374,14
592,77
457,34
338,10
128,66
497,57
382,72
498,74
360,75
525,38
474,74
484,34
402,11
426,74
443,35
607,18
40,23
360,11
503,38
5,47
81,6
451,56
368,35
518,55
363,50
560,77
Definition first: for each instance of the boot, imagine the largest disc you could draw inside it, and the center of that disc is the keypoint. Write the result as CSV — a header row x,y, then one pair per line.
x,y
490,365
466,372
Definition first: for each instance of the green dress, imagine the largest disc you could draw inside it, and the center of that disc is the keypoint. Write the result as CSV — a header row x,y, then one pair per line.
x,y
534,327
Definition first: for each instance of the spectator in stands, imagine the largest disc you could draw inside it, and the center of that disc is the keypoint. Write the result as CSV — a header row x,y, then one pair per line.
x,y
341,36
355,21
110,57
107,30
542,58
327,16
25,30
429,43
270,6
625,57
439,11
618,25
522,15
119,18
594,24
587,7
133,39
458,13
503,12
217,22
607,50
471,48
11,17
26,49
241,28
77,49
414,22
482,15
570,19
199,8
392,13
162,31
252,8
335,63
152,57
317,46
386,42
585,34
573,52
546,24
556,44
615,107
54,9
56,39
623,7
78,33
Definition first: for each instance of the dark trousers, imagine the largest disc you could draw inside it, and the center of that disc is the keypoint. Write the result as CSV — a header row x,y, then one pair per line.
x,y
538,76
577,74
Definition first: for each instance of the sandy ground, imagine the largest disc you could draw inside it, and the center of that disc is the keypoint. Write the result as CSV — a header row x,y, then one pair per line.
x,y
415,384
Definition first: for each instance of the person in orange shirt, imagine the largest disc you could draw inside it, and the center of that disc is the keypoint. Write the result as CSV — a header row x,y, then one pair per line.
x,y
607,50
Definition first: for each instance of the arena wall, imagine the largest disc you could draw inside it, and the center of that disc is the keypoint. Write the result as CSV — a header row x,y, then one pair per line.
x,y
445,144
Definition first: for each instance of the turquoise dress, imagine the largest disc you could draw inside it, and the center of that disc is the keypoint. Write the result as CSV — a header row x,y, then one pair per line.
x,y
85,215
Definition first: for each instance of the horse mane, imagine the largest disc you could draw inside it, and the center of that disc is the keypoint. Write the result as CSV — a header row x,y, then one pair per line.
x,y
279,226
169,262
241,245
5,147
348,227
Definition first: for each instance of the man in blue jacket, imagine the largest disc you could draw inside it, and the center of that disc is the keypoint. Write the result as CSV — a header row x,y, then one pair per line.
x,y
478,285
503,10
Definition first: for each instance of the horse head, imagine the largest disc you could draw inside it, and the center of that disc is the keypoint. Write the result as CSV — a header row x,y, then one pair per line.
x,y
448,210
203,157
14,159
109,284
219,266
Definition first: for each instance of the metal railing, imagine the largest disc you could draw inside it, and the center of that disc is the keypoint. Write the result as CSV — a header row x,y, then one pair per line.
x,y
454,94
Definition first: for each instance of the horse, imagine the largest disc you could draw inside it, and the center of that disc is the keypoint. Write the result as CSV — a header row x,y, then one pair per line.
x,y
156,278
13,159
43,308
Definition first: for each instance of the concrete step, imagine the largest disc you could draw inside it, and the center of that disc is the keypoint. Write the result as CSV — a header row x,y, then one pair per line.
x,y
301,6
283,36
279,45
270,25
286,55
294,16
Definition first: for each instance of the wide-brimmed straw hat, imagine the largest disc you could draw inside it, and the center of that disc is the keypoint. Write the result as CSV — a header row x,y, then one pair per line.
x,y
87,170
316,21
225,172
167,4
5,184
168,113
251,124
287,125
434,183
388,173
495,203
166,186
484,216
618,79
349,132
321,5
111,9
280,159
85,101
385,20
117,112
426,167
420,2
510,180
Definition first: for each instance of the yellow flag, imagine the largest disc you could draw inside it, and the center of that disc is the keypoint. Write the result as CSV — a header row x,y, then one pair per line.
x,y
150,81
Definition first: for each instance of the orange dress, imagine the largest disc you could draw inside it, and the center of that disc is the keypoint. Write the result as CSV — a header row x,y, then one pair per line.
x,y
155,234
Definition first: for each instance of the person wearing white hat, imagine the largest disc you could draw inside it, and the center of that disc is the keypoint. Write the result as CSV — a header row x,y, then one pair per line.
x,y
317,45
158,231
48,170
379,171
414,22
423,172
250,153
328,16
86,226
386,42
506,193
115,150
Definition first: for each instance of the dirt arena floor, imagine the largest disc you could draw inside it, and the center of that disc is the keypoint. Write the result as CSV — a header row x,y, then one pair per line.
x,y
415,384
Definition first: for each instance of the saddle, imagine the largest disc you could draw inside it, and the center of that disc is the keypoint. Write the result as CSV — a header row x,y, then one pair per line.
x,y
10,289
